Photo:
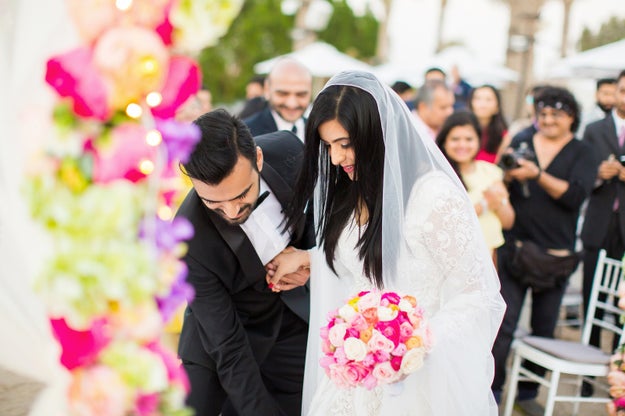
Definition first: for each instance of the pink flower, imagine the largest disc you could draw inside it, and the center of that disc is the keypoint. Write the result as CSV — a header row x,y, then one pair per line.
x,y
175,372
355,373
396,363
392,297
337,334
133,61
368,301
339,374
73,75
147,404
326,361
339,355
405,331
390,329
381,356
359,323
121,157
370,381
400,350
379,342
385,373
183,80
370,315
80,348
324,332
97,391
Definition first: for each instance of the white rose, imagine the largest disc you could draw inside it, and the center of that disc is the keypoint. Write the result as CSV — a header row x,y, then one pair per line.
x,y
355,349
370,300
412,360
347,312
405,306
337,334
386,314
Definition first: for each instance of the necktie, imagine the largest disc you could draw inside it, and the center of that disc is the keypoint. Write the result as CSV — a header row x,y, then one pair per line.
x,y
260,199
294,129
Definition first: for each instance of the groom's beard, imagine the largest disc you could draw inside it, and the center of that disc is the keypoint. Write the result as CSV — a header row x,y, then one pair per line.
x,y
242,216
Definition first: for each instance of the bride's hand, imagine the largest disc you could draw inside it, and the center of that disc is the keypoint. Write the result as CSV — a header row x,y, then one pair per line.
x,y
289,269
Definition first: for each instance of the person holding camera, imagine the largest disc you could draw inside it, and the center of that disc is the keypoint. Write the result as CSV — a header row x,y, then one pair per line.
x,y
549,176
604,224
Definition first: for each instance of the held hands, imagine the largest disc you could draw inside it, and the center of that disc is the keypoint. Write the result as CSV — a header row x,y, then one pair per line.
x,y
288,270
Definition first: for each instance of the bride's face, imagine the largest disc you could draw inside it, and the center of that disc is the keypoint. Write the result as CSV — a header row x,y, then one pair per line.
x,y
340,148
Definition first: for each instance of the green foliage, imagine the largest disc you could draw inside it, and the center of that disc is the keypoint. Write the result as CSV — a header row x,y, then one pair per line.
x,y
610,31
356,36
262,32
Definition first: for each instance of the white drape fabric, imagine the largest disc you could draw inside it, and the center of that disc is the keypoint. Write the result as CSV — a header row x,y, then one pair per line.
x,y
31,378
433,249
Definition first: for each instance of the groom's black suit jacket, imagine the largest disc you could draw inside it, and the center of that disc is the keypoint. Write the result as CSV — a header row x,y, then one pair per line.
x,y
235,318
602,137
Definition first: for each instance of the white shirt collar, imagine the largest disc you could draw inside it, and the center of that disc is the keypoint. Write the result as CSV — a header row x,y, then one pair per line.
x,y
282,124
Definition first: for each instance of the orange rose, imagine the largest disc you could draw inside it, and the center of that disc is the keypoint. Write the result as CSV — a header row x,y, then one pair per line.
x,y
414,342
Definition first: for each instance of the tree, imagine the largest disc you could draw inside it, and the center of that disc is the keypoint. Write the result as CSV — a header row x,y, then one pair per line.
x,y
356,36
610,31
262,32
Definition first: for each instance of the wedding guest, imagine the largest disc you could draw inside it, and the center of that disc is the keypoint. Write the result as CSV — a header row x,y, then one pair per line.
x,y
242,345
549,175
254,97
485,103
604,223
288,90
459,140
433,104
392,214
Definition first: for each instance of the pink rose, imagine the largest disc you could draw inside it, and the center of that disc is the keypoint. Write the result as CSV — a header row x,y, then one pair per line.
x,y
121,156
183,79
326,361
339,375
381,356
355,373
146,404
370,315
390,329
359,322
405,331
379,342
327,347
337,334
368,301
370,382
384,373
369,360
80,348
133,61
620,403
395,363
391,297
400,350
73,75
324,332
340,357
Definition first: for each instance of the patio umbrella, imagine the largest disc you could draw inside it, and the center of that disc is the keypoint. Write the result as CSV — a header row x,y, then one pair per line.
x,y
601,62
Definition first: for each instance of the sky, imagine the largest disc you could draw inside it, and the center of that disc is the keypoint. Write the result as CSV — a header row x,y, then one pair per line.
x,y
482,25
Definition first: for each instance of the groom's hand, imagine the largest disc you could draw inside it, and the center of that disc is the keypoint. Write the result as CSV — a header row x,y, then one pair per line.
x,y
288,270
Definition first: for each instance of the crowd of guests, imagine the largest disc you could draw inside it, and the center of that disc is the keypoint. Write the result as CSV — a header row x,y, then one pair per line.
x,y
528,180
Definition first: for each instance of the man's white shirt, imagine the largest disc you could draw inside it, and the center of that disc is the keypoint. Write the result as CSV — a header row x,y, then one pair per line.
x,y
264,227
286,125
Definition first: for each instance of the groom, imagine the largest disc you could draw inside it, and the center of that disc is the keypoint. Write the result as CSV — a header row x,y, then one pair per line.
x,y
242,344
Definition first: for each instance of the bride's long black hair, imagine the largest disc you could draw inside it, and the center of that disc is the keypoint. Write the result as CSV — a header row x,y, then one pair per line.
x,y
357,112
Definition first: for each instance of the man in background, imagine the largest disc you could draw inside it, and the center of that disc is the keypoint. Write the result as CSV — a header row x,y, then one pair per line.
x,y
605,96
434,103
254,97
288,90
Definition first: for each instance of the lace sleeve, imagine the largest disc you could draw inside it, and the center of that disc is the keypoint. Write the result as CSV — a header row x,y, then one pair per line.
x,y
462,292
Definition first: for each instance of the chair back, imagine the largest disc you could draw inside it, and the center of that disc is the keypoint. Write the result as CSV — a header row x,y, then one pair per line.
x,y
603,297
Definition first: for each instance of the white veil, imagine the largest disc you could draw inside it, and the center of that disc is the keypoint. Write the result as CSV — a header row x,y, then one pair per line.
x,y
408,157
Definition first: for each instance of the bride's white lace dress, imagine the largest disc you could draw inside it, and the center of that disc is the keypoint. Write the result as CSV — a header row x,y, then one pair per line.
x,y
441,266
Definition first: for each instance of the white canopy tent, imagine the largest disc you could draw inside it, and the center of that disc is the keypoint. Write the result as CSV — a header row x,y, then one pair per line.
x,y
603,61
323,61
474,70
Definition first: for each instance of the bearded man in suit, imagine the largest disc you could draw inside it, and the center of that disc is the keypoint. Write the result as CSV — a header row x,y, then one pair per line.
x,y
604,223
243,344
288,90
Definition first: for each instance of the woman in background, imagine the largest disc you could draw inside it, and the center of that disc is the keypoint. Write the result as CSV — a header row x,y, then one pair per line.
x,y
460,143
485,103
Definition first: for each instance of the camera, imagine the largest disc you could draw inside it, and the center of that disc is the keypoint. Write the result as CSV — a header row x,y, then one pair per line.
x,y
511,160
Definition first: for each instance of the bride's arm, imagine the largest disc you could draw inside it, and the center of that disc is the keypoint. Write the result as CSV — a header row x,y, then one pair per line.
x,y
442,229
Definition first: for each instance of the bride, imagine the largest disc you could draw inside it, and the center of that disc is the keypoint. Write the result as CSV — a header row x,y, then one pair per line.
x,y
391,213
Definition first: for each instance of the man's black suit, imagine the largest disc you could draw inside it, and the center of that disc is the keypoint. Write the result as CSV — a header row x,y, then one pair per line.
x,y
241,343
603,228
261,122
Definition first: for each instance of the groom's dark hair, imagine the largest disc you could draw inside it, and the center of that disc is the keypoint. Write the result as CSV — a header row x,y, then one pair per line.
x,y
224,138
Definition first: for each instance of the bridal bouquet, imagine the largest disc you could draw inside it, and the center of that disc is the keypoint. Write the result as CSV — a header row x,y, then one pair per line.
x,y
377,337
